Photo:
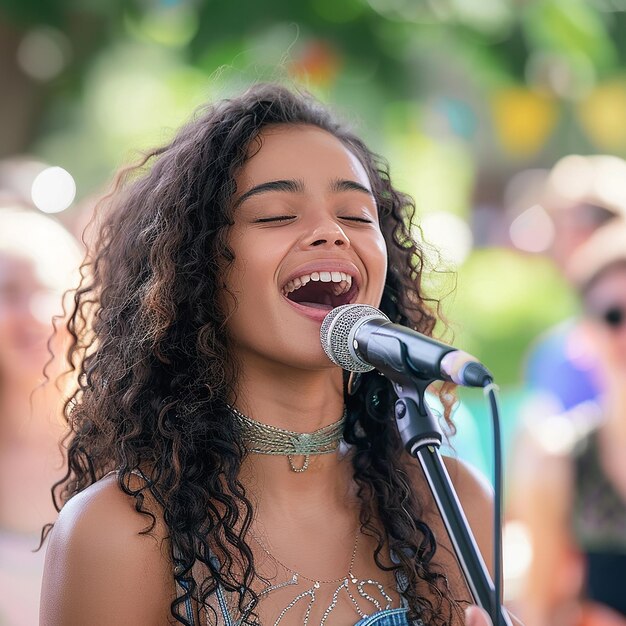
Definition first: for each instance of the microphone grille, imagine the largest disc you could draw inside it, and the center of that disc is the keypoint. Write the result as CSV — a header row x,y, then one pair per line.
x,y
335,335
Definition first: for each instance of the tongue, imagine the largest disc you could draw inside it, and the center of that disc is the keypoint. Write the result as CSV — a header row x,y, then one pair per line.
x,y
317,305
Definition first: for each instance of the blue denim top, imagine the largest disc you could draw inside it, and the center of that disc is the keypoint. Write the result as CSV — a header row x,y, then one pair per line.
x,y
390,617
387,617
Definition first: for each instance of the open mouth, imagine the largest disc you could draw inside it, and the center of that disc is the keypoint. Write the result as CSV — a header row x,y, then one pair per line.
x,y
321,290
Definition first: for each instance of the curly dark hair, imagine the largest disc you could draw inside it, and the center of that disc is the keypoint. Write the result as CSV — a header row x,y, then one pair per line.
x,y
151,354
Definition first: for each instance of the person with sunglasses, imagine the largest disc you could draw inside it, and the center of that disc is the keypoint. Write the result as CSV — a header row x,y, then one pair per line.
x,y
573,484
579,197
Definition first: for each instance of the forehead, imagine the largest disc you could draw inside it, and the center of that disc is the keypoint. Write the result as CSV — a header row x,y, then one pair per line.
x,y
300,152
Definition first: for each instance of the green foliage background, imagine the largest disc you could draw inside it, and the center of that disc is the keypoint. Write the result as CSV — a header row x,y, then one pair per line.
x,y
460,95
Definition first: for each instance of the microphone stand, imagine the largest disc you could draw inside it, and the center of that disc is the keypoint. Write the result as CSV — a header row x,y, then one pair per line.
x,y
422,438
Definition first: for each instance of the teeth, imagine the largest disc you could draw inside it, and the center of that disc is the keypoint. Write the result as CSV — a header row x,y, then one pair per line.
x,y
341,281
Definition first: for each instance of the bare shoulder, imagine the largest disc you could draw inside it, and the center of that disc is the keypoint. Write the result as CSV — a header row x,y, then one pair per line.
x,y
472,487
467,479
100,569
476,498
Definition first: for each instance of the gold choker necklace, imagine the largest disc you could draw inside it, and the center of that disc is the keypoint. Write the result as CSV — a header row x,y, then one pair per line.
x,y
264,439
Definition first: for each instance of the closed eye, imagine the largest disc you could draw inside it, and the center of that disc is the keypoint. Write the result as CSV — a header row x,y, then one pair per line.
x,y
277,218
362,220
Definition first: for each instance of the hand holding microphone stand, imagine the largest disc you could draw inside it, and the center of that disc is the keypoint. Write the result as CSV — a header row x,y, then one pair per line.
x,y
361,338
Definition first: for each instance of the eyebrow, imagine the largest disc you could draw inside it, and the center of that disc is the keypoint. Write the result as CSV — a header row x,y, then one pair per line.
x,y
338,185
292,186
297,186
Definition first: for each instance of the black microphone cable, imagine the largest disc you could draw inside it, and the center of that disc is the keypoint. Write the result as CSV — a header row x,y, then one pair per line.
x,y
490,390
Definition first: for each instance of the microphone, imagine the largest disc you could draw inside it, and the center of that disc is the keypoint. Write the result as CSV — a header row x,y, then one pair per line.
x,y
359,338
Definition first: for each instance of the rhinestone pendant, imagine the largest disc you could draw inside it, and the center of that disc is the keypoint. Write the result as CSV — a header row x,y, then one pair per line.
x,y
303,467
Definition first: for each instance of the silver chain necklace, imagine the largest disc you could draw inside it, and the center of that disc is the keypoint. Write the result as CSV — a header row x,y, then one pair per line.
x,y
265,439
352,585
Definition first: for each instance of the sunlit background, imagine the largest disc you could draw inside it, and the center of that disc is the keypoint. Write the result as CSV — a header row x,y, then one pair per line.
x,y
471,102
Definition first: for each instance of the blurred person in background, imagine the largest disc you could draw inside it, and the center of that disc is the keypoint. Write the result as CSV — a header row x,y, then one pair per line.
x,y
581,194
38,262
570,475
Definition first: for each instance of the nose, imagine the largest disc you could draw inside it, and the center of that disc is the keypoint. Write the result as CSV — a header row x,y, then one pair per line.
x,y
327,234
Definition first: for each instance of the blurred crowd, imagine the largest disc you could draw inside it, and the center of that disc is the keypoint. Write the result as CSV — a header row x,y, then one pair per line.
x,y
566,482
39,261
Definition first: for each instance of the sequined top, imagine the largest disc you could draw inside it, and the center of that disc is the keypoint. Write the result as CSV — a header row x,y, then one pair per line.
x,y
385,617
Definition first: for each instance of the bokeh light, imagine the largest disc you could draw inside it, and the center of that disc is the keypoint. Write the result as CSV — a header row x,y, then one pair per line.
x,y
532,230
450,235
53,190
43,53
518,553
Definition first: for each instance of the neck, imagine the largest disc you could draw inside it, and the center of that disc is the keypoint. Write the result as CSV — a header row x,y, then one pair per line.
x,y
301,401
280,493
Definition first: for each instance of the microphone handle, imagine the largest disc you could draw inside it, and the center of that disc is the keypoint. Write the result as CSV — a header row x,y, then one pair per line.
x,y
385,345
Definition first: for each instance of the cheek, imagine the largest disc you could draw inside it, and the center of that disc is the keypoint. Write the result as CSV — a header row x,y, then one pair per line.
x,y
252,271
377,262
250,283
236,273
